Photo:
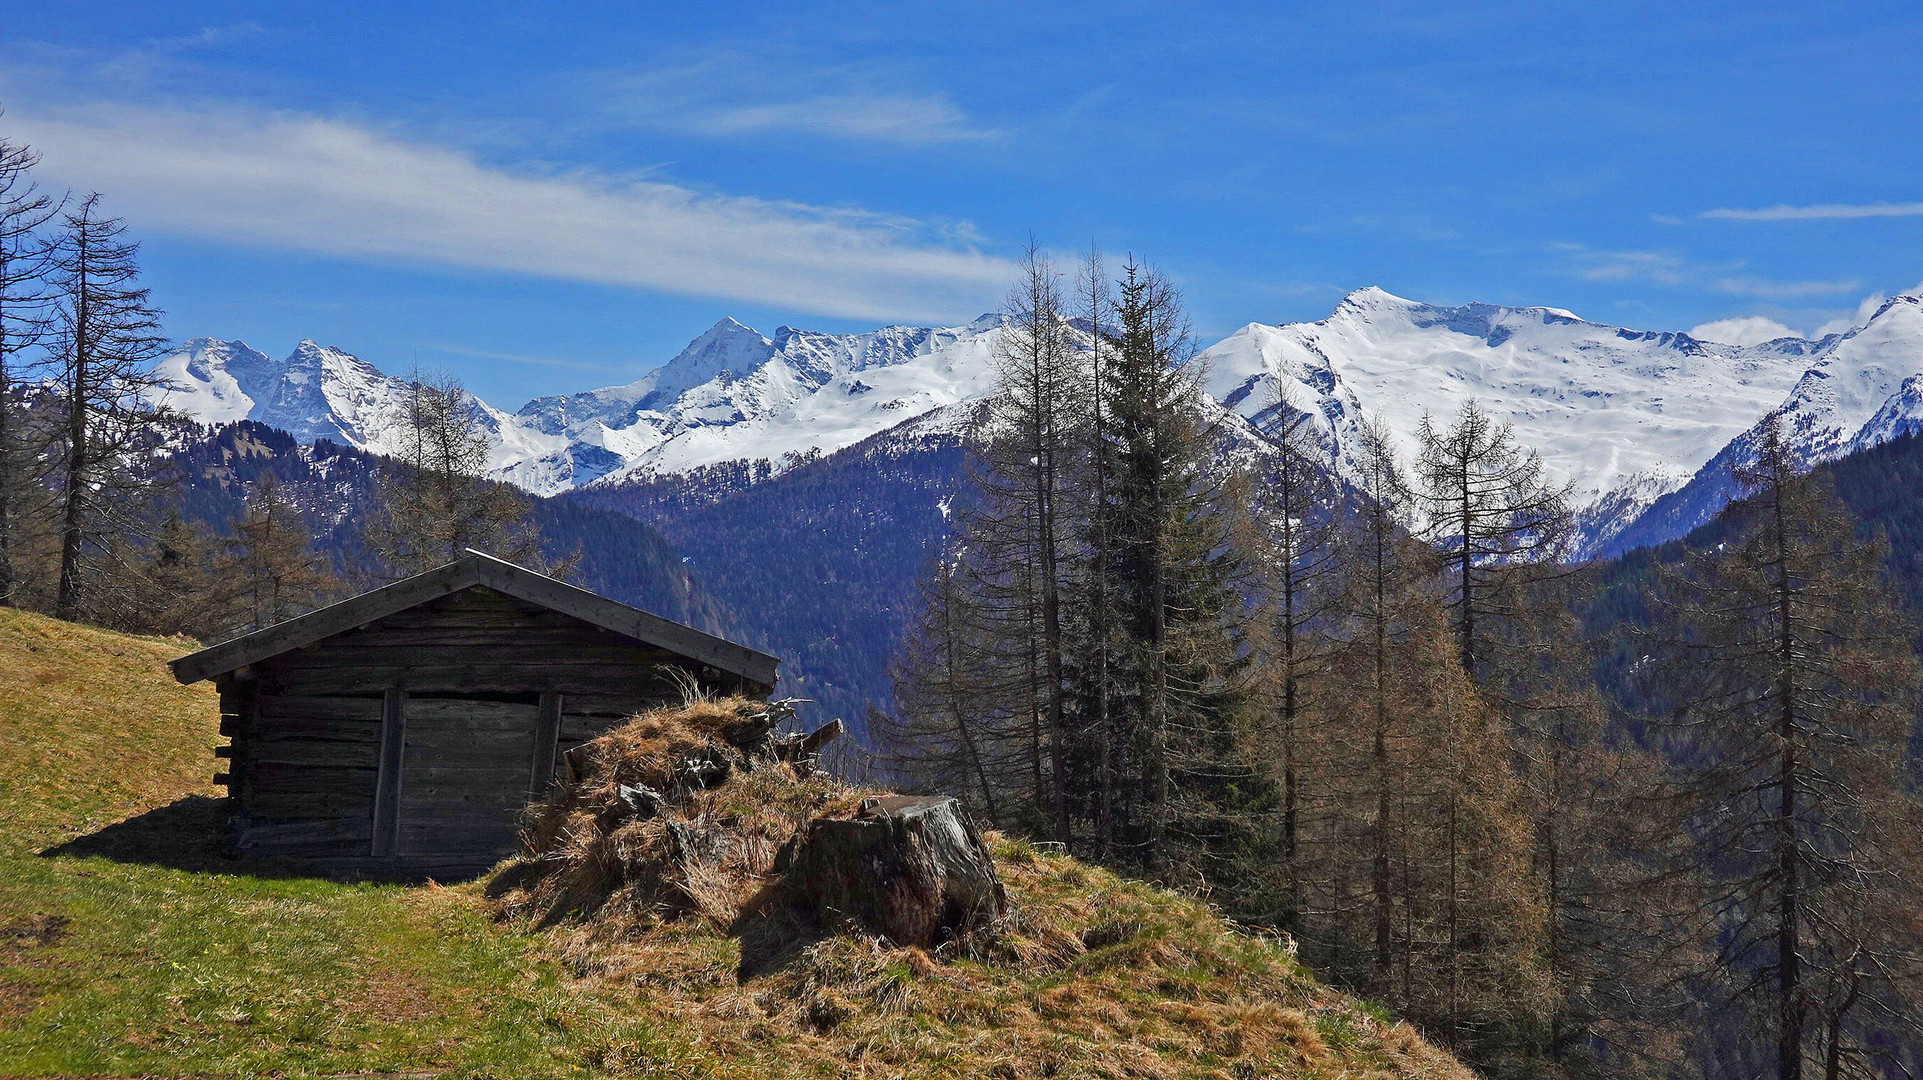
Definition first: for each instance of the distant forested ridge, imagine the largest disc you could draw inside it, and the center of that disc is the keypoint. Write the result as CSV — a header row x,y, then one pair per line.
x,y
1882,486
816,565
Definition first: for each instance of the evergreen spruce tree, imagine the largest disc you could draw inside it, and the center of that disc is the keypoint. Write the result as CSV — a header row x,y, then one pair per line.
x,y
948,733
185,586
1179,668
1093,630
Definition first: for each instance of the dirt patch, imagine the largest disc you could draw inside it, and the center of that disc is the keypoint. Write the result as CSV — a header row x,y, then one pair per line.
x,y
35,930
396,1000
20,941
17,1000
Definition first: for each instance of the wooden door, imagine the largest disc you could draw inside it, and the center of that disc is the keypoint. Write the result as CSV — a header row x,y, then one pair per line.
x,y
464,775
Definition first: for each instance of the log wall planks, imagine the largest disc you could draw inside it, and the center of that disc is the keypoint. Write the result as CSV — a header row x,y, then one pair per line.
x,y
417,738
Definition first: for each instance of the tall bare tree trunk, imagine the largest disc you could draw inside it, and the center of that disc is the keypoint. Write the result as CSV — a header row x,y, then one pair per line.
x,y
1789,914
80,346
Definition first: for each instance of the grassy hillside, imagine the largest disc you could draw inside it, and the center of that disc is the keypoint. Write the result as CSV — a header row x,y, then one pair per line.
x,y
110,966
129,947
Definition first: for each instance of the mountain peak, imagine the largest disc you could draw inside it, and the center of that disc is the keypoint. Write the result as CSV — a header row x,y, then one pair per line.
x,y
726,346
728,326
1375,296
1364,304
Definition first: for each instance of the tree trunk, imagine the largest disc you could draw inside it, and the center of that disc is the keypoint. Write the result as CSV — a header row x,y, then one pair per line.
x,y
1380,868
1789,912
910,867
67,599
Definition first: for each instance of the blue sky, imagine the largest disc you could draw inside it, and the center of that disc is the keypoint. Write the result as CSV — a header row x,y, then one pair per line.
x,y
546,198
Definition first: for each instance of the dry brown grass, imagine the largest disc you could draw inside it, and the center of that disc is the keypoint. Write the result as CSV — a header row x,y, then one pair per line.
x,y
93,729
1089,974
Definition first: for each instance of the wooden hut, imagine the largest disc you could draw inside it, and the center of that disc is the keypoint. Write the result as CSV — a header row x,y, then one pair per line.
x,y
401,730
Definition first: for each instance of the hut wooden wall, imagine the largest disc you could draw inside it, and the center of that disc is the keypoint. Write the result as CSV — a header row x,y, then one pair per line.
x,y
490,690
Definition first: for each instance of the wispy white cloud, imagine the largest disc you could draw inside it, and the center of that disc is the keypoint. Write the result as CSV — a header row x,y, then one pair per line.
x,y
932,118
1674,270
1817,212
1660,267
1783,290
1745,330
211,36
306,183
732,93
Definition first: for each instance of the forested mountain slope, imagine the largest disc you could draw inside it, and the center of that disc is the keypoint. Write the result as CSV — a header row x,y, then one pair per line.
x,y
818,565
1882,485
617,555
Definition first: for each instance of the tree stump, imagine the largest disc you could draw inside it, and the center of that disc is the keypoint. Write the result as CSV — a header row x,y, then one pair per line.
x,y
911,867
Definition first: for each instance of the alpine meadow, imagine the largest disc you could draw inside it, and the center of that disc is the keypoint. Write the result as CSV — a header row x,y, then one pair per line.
x,y
1021,665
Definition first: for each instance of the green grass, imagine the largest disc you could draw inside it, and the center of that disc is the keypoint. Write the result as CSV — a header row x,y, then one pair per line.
x,y
116,967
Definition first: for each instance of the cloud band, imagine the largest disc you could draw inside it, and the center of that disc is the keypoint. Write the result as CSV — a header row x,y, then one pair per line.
x,y
318,185
1821,212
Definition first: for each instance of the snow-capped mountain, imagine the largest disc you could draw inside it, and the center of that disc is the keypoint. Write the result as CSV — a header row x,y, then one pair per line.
x,y
735,395
323,393
1863,388
1642,422
731,395
1627,415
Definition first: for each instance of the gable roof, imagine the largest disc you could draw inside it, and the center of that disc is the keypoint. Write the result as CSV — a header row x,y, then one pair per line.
x,y
472,569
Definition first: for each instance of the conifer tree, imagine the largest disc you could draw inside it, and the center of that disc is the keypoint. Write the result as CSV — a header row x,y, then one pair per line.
x,y
1491,510
438,502
1799,690
1503,530
185,587
1095,631
1023,512
1179,669
1413,873
1385,588
949,733
24,311
107,336
1301,578
273,570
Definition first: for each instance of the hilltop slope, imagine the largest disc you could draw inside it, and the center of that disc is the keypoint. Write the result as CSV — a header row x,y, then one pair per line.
x,y
130,948
1084,974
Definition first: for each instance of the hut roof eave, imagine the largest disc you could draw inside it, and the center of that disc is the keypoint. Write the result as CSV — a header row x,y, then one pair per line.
x,y
477,569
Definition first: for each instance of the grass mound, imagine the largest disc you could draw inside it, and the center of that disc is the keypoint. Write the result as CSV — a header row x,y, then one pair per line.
x,y
643,834
1088,975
